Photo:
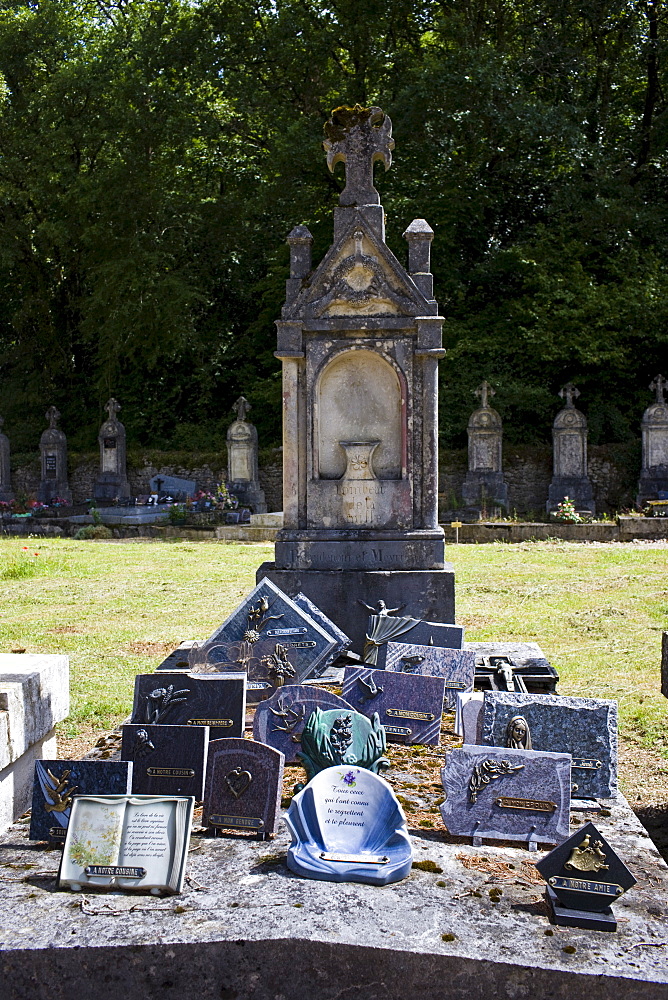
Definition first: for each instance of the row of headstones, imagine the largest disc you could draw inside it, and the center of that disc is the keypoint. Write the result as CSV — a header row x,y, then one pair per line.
x,y
112,480
512,779
484,484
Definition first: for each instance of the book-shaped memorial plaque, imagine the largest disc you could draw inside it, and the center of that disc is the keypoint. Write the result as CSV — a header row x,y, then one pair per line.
x,y
214,700
347,826
56,783
409,706
135,843
244,780
167,760
455,666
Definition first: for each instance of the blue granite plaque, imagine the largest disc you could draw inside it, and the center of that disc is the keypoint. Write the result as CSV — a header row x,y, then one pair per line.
x,y
167,760
244,781
584,727
503,794
409,706
185,699
56,782
343,642
347,826
279,722
456,666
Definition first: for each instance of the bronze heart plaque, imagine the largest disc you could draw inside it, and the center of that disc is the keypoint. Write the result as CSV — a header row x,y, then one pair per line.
x,y
238,781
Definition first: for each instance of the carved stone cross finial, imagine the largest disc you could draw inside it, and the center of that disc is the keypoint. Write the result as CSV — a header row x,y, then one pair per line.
x,y
659,386
358,137
53,416
483,391
242,406
569,393
112,408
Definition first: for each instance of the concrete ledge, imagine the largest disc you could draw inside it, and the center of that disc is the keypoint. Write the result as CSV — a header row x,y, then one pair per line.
x,y
246,928
625,529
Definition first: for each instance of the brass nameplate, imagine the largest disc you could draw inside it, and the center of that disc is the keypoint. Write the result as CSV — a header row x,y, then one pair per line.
x,y
258,685
286,631
220,723
586,763
355,859
118,871
299,645
170,772
398,730
456,685
58,832
582,885
403,713
533,805
244,822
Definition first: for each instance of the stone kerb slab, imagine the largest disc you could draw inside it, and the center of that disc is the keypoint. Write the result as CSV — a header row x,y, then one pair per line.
x,y
34,696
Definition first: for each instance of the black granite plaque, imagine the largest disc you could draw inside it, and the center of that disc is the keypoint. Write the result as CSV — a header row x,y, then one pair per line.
x,y
409,705
167,760
56,782
185,699
243,786
280,721
455,666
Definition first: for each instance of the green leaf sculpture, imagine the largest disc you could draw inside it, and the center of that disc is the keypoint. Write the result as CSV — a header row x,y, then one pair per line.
x,y
340,737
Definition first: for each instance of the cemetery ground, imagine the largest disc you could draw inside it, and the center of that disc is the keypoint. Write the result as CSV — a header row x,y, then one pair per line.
x,y
117,608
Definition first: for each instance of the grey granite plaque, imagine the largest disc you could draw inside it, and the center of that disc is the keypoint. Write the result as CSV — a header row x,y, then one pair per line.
x,y
243,786
280,720
456,666
56,782
503,794
267,663
386,628
343,642
185,699
409,705
167,760
583,727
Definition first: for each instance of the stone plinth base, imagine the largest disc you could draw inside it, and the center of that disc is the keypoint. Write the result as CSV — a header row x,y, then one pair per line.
x,y
50,489
359,549
652,482
427,594
250,495
578,489
484,490
109,485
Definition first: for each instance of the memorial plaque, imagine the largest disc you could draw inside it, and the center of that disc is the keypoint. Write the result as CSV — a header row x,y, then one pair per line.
x,y
342,640
267,663
347,826
584,876
167,760
456,666
503,794
269,617
385,628
468,710
56,782
512,666
244,780
584,727
409,706
345,738
279,721
185,699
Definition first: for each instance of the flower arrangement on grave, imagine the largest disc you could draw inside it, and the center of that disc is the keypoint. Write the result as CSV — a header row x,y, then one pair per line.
x,y
225,499
58,502
566,512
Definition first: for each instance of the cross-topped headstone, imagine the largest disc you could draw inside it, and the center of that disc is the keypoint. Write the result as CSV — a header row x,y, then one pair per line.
x,y
53,416
659,386
484,391
569,393
242,407
358,137
112,407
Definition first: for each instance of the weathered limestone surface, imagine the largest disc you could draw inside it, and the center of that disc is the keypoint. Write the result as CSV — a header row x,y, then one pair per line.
x,y
34,696
246,927
654,472
242,460
53,452
112,480
484,486
570,472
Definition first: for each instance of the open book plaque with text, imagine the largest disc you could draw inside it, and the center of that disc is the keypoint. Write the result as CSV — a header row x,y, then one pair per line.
x,y
135,843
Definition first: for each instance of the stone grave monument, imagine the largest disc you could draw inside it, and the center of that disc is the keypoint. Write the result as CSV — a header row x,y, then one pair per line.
x,y
360,341
5,470
483,487
242,470
53,449
569,444
112,481
654,473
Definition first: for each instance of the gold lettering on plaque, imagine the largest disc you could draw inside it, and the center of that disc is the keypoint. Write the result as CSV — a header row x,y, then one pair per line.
x,y
533,805
220,723
403,713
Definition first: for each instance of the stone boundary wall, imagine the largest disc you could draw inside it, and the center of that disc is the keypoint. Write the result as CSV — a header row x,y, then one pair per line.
x,y
613,469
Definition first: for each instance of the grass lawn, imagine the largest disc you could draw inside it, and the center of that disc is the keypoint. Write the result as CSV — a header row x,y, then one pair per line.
x,y
117,608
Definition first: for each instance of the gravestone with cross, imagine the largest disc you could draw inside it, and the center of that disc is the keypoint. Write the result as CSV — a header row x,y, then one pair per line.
x,y
569,448
654,472
360,339
6,493
112,480
53,451
242,467
484,488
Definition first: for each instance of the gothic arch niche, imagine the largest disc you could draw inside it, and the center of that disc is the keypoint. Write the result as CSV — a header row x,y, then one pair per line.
x,y
359,398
